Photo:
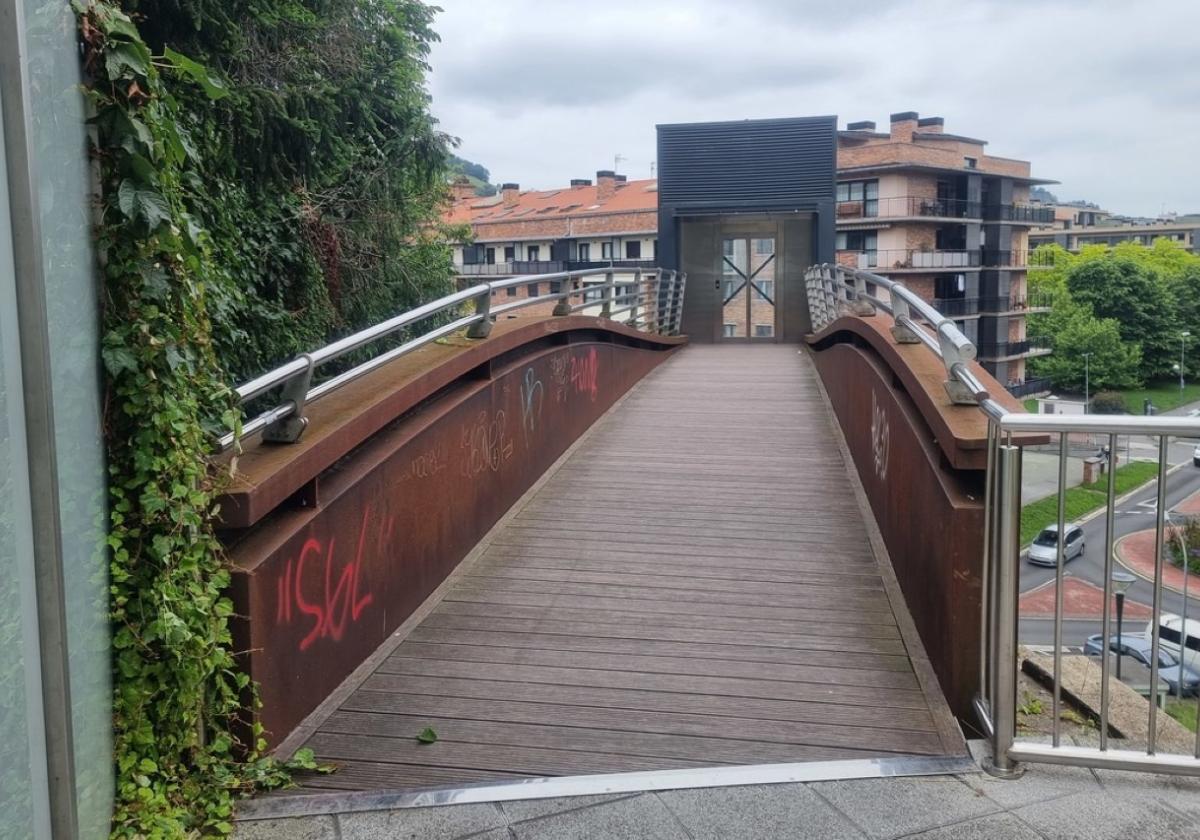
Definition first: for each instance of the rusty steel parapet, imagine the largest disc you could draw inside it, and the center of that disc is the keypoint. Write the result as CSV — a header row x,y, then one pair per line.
x,y
337,539
922,462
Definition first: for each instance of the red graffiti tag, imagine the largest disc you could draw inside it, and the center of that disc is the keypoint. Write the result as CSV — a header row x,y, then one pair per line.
x,y
338,603
585,374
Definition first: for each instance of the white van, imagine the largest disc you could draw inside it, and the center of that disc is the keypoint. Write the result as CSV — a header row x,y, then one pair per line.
x,y
1169,635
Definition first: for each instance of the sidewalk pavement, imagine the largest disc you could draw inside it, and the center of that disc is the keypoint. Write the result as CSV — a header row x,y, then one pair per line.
x,y
1136,553
1047,802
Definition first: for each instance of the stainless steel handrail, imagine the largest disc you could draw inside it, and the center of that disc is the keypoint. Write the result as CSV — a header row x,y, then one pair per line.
x,y
655,304
834,291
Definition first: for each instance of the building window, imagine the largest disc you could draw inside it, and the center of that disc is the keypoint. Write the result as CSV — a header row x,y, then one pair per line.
x,y
764,289
593,292
489,256
654,248
533,252
510,253
764,247
857,240
731,287
531,290
970,162
585,251
730,330
764,330
864,193
511,291
606,250
633,249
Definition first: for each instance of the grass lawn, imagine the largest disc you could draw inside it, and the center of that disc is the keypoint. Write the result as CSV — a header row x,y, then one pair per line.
x,y
1165,395
1183,711
1082,500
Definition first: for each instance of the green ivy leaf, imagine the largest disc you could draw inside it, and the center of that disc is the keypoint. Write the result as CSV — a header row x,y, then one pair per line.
x,y
198,73
118,360
127,198
127,56
427,735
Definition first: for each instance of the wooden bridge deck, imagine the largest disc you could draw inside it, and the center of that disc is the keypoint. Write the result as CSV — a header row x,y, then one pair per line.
x,y
694,586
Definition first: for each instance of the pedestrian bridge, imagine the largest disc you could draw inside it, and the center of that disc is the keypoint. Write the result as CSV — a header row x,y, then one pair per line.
x,y
574,554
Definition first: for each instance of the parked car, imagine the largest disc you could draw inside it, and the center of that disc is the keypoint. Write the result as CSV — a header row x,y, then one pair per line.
x,y
1196,457
1044,550
1138,647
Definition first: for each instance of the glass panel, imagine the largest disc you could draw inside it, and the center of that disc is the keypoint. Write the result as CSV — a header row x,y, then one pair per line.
x,y
23,795
872,189
843,192
735,264
762,281
63,184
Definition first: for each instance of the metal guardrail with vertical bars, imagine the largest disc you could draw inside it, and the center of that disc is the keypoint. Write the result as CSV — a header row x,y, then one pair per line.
x,y
651,301
834,291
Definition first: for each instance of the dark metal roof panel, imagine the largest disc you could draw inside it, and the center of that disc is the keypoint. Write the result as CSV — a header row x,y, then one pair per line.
x,y
766,163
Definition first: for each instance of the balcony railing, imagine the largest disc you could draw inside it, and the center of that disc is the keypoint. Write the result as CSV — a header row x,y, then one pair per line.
x,y
629,265
1021,213
899,259
1037,385
834,291
514,267
909,206
1014,303
1010,349
957,307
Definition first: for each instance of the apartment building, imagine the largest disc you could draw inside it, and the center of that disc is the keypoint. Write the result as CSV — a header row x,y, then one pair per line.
x,y
611,222
933,210
1075,226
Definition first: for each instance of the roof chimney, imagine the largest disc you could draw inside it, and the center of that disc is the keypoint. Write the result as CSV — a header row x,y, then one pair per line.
x,y
606,184
461,189
861,125
931,125
621,179
903,126
581,182
510,194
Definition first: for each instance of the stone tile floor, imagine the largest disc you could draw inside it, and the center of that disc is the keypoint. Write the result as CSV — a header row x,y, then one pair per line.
x,y
1047,803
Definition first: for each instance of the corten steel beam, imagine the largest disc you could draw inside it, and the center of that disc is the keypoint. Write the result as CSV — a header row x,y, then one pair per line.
x,y
415,463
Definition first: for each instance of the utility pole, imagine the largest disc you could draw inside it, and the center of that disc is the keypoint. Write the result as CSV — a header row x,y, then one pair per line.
x,y
1183,337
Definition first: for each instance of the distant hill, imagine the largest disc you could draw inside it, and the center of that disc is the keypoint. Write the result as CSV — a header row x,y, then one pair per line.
x,y
476,173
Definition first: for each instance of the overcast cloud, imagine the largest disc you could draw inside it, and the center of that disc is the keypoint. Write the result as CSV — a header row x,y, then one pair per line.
x,y
1102,96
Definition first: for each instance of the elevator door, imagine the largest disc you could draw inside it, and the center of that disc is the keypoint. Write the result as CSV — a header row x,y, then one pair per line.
x,y
748,288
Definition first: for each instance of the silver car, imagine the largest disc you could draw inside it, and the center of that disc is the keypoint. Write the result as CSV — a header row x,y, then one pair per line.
x,y
1044,550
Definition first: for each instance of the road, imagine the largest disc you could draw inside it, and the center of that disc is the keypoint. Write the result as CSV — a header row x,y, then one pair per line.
x,y
1134,514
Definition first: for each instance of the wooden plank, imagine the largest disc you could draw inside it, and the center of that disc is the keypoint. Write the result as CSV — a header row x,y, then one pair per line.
x,y
577,737
651,647
647,663
586,603
627,626
430,708
827,692
749,630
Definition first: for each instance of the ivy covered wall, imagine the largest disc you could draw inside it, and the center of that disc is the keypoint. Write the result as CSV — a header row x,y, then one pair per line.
x,y
269,177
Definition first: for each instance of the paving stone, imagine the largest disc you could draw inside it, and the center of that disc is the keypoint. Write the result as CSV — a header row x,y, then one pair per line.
x,y
893,807
448,822
638,818
531,809
291,828
1180,792
993,827
1039,783
760,812
1101,816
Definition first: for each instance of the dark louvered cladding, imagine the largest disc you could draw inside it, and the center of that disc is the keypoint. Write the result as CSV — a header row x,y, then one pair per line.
x,y
750,164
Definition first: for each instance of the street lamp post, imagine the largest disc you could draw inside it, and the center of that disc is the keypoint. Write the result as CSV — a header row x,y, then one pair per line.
x,y
1087,382
1121,581
1183,337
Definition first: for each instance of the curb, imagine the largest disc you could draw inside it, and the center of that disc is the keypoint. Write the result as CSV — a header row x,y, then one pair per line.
x,y
1192,591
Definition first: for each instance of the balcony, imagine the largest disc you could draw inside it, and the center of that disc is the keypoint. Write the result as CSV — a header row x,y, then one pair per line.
x,y
1000,350
1031,214
617,265
908,207
1029,387
962,307
910,259
1015,304
517,267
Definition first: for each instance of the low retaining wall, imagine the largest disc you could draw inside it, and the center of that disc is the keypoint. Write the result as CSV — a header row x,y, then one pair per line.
x,y
325,578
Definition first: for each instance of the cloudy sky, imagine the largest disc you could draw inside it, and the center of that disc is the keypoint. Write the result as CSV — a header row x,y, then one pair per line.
x,y
1102,95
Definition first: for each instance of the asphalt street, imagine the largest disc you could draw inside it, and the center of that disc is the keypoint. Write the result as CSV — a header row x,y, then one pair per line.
x,y
1133,514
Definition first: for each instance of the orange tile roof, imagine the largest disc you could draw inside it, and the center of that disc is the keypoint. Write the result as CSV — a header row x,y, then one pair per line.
x,y
630,196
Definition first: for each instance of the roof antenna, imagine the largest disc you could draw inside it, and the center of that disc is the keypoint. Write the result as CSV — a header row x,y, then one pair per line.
x,y
617,158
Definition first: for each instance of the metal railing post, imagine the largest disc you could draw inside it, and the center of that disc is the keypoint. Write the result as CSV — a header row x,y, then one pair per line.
x,y
637,297
483,308
1004,637
295,391
563,307
609,292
